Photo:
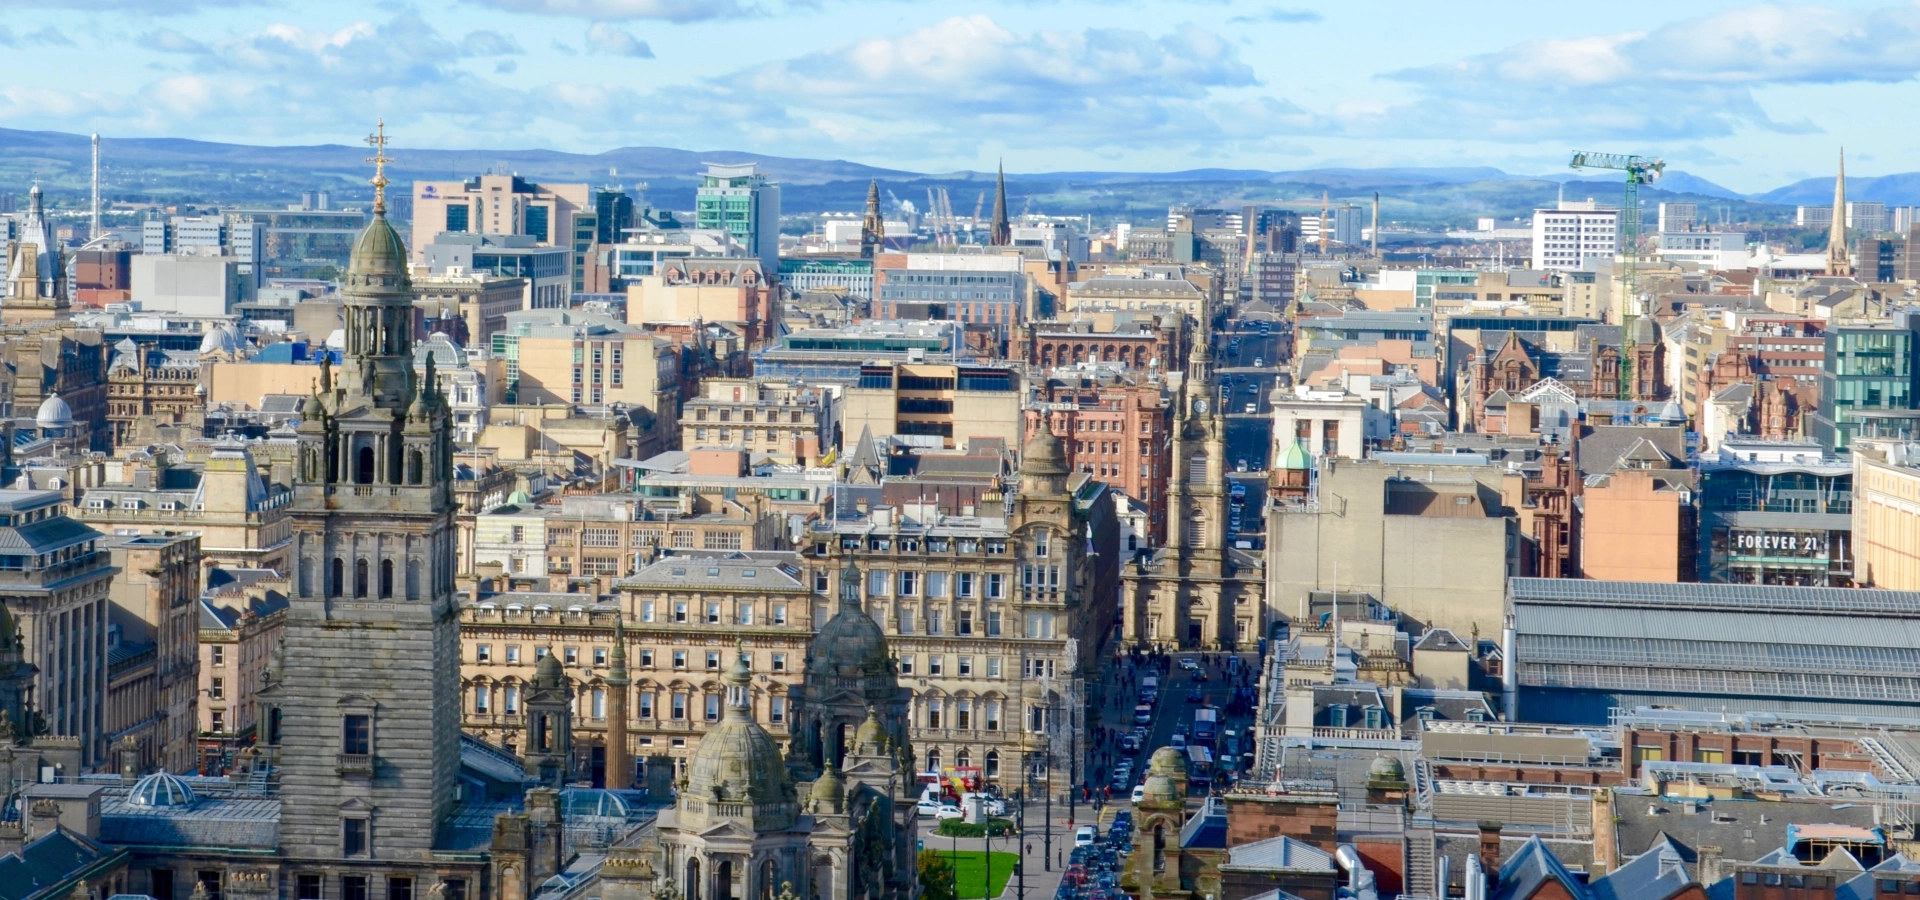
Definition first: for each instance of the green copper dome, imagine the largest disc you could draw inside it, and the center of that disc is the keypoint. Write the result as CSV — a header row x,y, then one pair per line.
x,y
379,261
1295,456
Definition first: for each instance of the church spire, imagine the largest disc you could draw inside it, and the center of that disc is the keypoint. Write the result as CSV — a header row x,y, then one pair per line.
x,y
873,229
1002,234
1838,261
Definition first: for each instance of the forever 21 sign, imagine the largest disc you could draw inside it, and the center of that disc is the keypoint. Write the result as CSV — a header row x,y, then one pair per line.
x,y
1791,542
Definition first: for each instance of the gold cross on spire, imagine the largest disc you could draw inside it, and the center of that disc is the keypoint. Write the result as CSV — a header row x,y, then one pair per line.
x,y
378,141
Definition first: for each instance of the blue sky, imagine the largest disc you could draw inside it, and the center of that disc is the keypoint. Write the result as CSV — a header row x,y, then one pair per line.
x,y
1749,95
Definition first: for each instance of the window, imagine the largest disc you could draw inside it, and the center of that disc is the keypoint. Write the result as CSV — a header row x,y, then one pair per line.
x,y
992,714
713,660
399,888
356,734
777,710
963,716
482,699
935,708
353,887
877,584
646,611
993,667
965,625
217,689
713,614
906,664
599,704
219,721
599,656
934,624
305,887
779,662
572,656
746,614
513,654
936,584
512,697
993,623
680,706
936,664
483,653
713,707
996,585
779,614
966,666
679,659
965,584
680,611
353,838
646,704
219,656
646,659
906,620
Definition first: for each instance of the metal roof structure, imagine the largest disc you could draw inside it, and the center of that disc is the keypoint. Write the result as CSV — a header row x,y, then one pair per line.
x,y
1633,643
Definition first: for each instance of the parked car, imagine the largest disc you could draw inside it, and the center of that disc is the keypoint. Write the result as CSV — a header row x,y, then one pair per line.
x,y
1259,361
1179,741
1139,793
1083,837
937,809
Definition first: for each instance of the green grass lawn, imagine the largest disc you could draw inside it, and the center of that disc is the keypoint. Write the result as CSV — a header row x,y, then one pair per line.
x,y
970,872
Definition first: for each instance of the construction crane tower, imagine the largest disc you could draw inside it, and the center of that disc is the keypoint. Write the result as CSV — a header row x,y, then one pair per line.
x,y
1640,170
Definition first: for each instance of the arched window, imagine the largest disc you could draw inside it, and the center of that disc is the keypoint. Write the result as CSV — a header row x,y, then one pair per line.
x,y
337,578
933,760
963,759
360,577
693,879
386,579
363,465
993,764
414,465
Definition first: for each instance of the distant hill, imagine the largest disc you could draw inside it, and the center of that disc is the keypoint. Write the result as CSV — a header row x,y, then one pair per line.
x,y
1894,190
175,170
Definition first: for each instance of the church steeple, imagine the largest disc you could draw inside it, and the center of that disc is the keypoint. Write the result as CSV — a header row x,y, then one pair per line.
x,y
1838,260
873,229
1002,233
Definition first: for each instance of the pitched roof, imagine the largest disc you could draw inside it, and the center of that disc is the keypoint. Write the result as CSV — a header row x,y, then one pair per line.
x,y
46,863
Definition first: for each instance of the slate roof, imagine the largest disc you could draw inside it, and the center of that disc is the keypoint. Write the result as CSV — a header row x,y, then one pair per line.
x,y
1657,874
238,822
47,863
1278,853
771,571
1603,446
45,536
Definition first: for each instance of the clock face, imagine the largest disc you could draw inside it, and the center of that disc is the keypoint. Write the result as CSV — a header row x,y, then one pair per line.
x,y
1200,407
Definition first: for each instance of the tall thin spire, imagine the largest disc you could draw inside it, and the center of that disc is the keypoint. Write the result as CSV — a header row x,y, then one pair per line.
x,y
619,754
873,228
1002,234
1838,261
378,141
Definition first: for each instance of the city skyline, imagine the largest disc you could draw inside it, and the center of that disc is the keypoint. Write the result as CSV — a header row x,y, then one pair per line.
x,y
1751,96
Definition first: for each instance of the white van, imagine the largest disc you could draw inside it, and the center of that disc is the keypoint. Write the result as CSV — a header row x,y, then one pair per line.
x,y
1083,837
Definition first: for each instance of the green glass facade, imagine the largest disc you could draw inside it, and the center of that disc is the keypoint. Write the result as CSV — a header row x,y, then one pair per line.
x,y
1867,368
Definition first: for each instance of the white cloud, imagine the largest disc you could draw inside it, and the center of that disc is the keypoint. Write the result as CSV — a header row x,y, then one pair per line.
x,y
603,37
663,10
48,36
950,87
1689,78
489,43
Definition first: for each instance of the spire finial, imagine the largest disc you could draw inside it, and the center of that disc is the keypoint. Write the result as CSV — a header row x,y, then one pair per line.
x,y
378,141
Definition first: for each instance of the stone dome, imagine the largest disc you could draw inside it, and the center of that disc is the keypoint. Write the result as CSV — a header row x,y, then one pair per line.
x,y
738,762
161,789
1386,768
547,673
1043,454
871,736
1166,777
829,792
850,644
54,413
378,251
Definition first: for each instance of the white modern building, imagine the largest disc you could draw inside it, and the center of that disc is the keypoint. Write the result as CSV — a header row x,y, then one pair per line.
x,y
1565,237
1714,249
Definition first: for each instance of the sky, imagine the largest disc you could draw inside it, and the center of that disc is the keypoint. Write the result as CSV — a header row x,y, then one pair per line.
x,y
1749,95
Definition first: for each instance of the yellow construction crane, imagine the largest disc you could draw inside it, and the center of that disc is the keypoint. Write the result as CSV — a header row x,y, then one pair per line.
x,y
1640,170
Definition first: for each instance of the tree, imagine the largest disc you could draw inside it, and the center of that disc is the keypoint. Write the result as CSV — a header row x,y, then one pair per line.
x,y
936,877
